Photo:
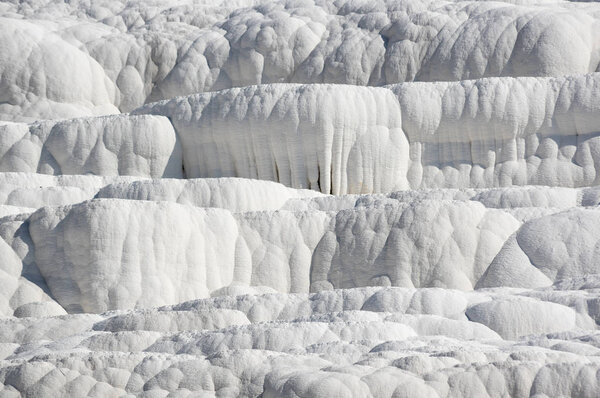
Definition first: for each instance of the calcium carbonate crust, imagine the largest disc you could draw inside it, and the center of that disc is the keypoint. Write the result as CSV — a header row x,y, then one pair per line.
x,y
115,56
349,342
143,146
337,138
345,139
144,243
299,198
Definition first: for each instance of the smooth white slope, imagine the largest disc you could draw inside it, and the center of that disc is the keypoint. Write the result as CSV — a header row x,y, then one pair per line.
x,y
235,194
37,190
32,190
554,247
45,76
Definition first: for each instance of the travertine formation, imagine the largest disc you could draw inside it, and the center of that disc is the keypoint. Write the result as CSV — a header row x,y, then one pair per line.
x,y
116,55
345,139
300,198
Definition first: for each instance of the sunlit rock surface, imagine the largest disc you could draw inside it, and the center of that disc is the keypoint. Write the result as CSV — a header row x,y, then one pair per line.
x,y
143,146
345,139
300,198
378,341
116,55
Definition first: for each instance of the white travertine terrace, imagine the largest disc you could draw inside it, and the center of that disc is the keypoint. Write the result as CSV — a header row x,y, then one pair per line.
x,y
345,139
235,194
110,145
333,138
357,342
117,55
300,198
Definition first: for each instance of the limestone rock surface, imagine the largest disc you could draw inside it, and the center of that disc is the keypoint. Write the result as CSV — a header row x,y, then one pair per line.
x,y
300,198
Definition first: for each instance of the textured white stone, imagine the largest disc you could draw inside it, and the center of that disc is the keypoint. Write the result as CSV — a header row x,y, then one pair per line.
x,y
235,194
110,145
342,139
322,344
331,138
123,254
37,190
84,58
503,131
45,76
553,247
383,198
139,253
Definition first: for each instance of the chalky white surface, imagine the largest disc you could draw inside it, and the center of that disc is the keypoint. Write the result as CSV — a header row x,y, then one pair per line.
x,y
345,139
116,55
300,198
144,146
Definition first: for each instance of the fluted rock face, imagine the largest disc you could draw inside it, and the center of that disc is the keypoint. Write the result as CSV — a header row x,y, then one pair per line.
x,y
169,253
300,198
331,138
343,139
503,131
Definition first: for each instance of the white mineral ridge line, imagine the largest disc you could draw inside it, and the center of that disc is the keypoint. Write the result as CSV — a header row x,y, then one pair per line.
x,y
235,194
33,190
38,190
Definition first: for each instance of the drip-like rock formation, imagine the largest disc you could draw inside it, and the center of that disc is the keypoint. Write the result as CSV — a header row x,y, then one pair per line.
x,y
331,138
343,139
